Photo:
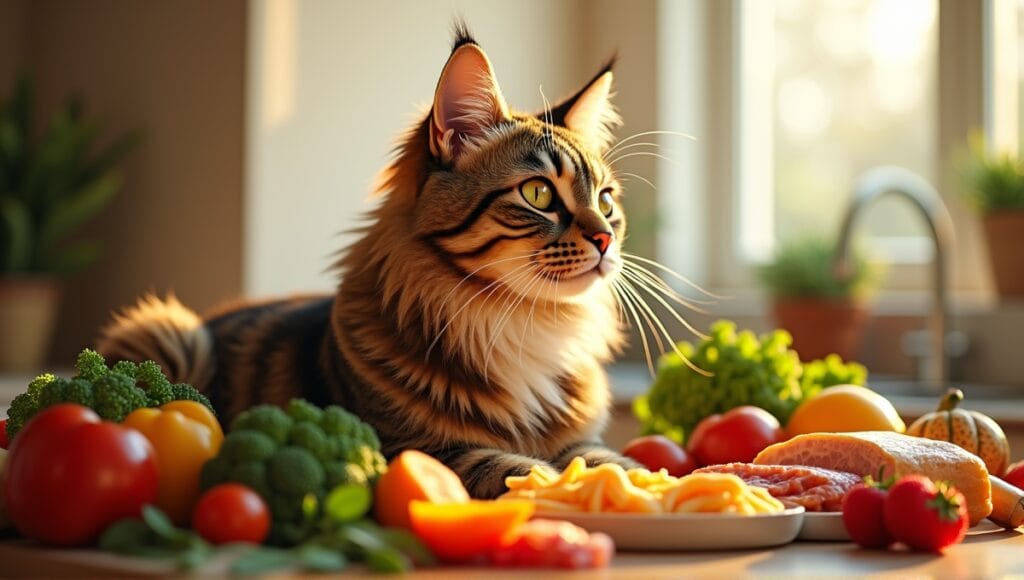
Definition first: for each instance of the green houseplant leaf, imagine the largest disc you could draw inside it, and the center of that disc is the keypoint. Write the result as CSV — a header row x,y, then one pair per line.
x,y
53,185
16,230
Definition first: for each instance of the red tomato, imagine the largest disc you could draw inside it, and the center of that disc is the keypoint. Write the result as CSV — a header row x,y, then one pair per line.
x,y
4,441
737,436
863,516
70,475
925,516
555,544
659,452
1015,474
231,512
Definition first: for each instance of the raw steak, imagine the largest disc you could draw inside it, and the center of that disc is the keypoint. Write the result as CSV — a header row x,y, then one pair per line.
x,y
864,453
815,488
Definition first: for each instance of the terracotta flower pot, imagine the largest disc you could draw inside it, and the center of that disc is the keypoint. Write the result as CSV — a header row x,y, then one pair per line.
x,y
1004,232
820,327
28,308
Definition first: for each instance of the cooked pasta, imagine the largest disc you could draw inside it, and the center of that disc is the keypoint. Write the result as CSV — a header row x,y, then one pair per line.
x,y
610,488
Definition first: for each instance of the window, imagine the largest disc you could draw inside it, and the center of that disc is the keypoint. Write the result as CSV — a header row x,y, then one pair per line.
x,y
804,95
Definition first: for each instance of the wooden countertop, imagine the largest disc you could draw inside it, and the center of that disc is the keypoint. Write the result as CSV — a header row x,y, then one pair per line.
x,y
987,552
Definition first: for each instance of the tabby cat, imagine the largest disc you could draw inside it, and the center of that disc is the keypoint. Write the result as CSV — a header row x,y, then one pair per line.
x,y
476,310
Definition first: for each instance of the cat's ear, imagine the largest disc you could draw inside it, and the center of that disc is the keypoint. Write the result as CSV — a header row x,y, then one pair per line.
x,y
590,113
467,102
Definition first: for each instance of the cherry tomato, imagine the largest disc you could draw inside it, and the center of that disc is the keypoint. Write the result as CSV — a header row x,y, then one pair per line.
x,y
925,516
1015,474
659,452
5,442
737,436
70,475
863,515
231,512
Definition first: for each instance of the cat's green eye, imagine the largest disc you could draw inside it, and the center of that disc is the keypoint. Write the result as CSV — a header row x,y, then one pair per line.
x,y
605,203
537,193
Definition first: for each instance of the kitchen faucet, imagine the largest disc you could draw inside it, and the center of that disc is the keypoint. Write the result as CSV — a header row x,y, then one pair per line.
x,y
875,183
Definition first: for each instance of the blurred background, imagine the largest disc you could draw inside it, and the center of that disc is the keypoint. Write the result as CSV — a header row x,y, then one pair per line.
x,y
247,136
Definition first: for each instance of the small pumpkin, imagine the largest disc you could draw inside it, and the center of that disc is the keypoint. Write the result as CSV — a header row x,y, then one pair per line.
x,y
971,430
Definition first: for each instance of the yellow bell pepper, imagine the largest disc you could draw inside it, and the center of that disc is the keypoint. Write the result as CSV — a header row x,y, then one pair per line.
x,y
185,435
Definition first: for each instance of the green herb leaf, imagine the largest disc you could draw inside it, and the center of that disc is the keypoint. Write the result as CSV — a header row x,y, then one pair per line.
x,y
263,560
124,534
320,559
158,521
388,560
347,503
408,544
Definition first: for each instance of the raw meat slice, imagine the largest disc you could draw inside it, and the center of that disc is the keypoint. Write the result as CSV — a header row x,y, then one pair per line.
x,y
865,453
816,488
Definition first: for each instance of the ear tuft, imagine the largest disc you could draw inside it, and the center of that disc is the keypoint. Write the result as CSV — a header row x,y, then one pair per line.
x,y
467,101
590,113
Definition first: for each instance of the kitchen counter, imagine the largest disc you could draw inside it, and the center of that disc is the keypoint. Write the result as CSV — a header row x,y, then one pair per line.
x,y
987,552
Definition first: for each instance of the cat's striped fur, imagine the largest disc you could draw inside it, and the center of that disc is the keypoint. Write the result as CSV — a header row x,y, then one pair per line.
x,y
468,323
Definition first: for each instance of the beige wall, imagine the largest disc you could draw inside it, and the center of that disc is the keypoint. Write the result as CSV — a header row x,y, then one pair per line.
x,y
176,70
334,82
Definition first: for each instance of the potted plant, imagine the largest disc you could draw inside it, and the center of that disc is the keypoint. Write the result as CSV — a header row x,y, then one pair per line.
x,y
995,185
823,313
51,183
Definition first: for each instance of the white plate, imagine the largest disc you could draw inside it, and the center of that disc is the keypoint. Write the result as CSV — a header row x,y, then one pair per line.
x,y
824,527
681,532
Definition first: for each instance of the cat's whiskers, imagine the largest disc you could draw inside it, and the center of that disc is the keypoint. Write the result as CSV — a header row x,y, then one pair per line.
x,y
640,177
493,284
618,145
664,288
450,293
528,325
620,291
673,273
643,154
647,314
505,314
646,286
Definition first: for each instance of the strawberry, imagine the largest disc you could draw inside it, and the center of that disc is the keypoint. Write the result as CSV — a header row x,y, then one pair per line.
x,y
924,515
862,514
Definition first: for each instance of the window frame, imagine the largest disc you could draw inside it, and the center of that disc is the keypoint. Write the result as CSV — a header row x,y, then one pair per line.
x,y
976,54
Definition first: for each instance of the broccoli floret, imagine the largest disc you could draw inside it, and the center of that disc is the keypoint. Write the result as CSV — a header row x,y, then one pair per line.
x,y
115,395
248,445
90,366
160,395
125,367
252,474
312,438
112,393
216,470
149,375
294,471
304,411
304,450
267,419
185,392
80,391
53,393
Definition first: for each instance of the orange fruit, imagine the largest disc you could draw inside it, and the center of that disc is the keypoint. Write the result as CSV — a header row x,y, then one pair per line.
x,y
414,475
463,531
845,408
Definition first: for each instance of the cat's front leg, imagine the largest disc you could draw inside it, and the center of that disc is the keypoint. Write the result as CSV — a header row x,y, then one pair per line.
x,y
594,453
483,471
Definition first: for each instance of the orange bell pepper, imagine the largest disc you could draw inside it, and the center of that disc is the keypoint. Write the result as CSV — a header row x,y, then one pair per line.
x,y
185,435
410,476
460,532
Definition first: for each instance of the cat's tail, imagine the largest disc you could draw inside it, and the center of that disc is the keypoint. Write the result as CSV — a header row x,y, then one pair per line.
x,y
164,331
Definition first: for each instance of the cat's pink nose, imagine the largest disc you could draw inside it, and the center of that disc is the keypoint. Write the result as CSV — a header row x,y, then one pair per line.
x,y
601,239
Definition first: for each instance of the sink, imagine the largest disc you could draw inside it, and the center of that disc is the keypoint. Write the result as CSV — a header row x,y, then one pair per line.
x,y
918,390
